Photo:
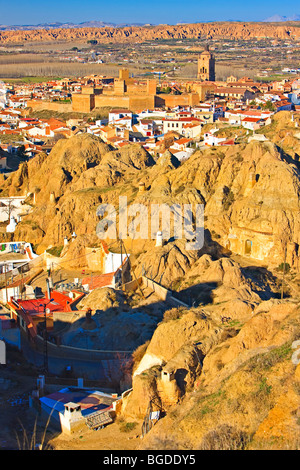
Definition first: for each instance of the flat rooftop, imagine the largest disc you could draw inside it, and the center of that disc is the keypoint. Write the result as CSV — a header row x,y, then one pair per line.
x,y
13,257
89,400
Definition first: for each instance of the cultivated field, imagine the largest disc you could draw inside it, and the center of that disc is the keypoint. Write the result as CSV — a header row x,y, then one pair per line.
x,y
162,59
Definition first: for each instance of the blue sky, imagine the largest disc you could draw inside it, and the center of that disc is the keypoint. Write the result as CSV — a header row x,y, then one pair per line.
x,y
154,11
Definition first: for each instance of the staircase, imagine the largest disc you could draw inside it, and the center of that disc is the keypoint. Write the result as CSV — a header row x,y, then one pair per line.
x,y
154,404
98,420
168,392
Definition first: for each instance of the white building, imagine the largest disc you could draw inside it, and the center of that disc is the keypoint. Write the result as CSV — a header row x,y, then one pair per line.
x,y
117,114
3,99
146,127
213,141
179,124
13,206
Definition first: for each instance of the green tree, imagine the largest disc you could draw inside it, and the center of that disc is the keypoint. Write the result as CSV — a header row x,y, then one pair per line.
x,y
269,105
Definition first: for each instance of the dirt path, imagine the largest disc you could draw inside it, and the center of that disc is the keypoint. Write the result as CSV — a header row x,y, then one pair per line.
x,y
110,438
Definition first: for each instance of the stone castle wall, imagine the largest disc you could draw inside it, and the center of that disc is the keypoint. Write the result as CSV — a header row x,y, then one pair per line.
x,y
37,105
83,103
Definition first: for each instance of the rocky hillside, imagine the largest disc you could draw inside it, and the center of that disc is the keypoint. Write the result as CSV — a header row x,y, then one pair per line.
x,y
149,33
231,386
250,192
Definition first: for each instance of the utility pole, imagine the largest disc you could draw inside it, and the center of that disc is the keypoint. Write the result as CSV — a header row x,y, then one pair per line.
x,y
21,282
51,276
45,336
121,263
139,287
45,343
283,271
5,266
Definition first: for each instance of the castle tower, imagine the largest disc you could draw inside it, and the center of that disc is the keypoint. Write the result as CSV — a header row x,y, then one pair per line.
x,y
151,87
120,86
124,74
206,66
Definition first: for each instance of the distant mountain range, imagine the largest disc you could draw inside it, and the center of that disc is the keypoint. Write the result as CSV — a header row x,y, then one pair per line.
x,y
86,24
103,24
278,18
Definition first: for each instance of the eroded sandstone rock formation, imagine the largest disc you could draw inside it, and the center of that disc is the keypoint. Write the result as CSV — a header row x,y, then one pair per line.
x,y
250,193
139,33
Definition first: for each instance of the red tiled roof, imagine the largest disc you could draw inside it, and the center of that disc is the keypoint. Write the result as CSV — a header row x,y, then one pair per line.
x,y
54,123
254,112
30,326
122,144
250,119
9,132
60,303
227,142
182,141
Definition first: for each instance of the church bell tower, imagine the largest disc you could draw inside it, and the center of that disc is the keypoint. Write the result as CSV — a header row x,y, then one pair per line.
x,y
206,66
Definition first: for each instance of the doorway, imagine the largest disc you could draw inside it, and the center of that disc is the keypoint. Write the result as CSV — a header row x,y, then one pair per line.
x,y
248,247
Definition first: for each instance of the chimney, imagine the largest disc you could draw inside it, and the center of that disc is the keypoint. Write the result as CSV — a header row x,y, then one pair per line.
x,y
159,239
88,315
141,187
52,197
48,289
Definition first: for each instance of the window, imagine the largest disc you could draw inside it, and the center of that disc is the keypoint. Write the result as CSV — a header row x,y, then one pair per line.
x,y
248,247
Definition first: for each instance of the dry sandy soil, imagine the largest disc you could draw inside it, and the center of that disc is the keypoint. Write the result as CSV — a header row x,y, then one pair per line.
x,y
110,438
